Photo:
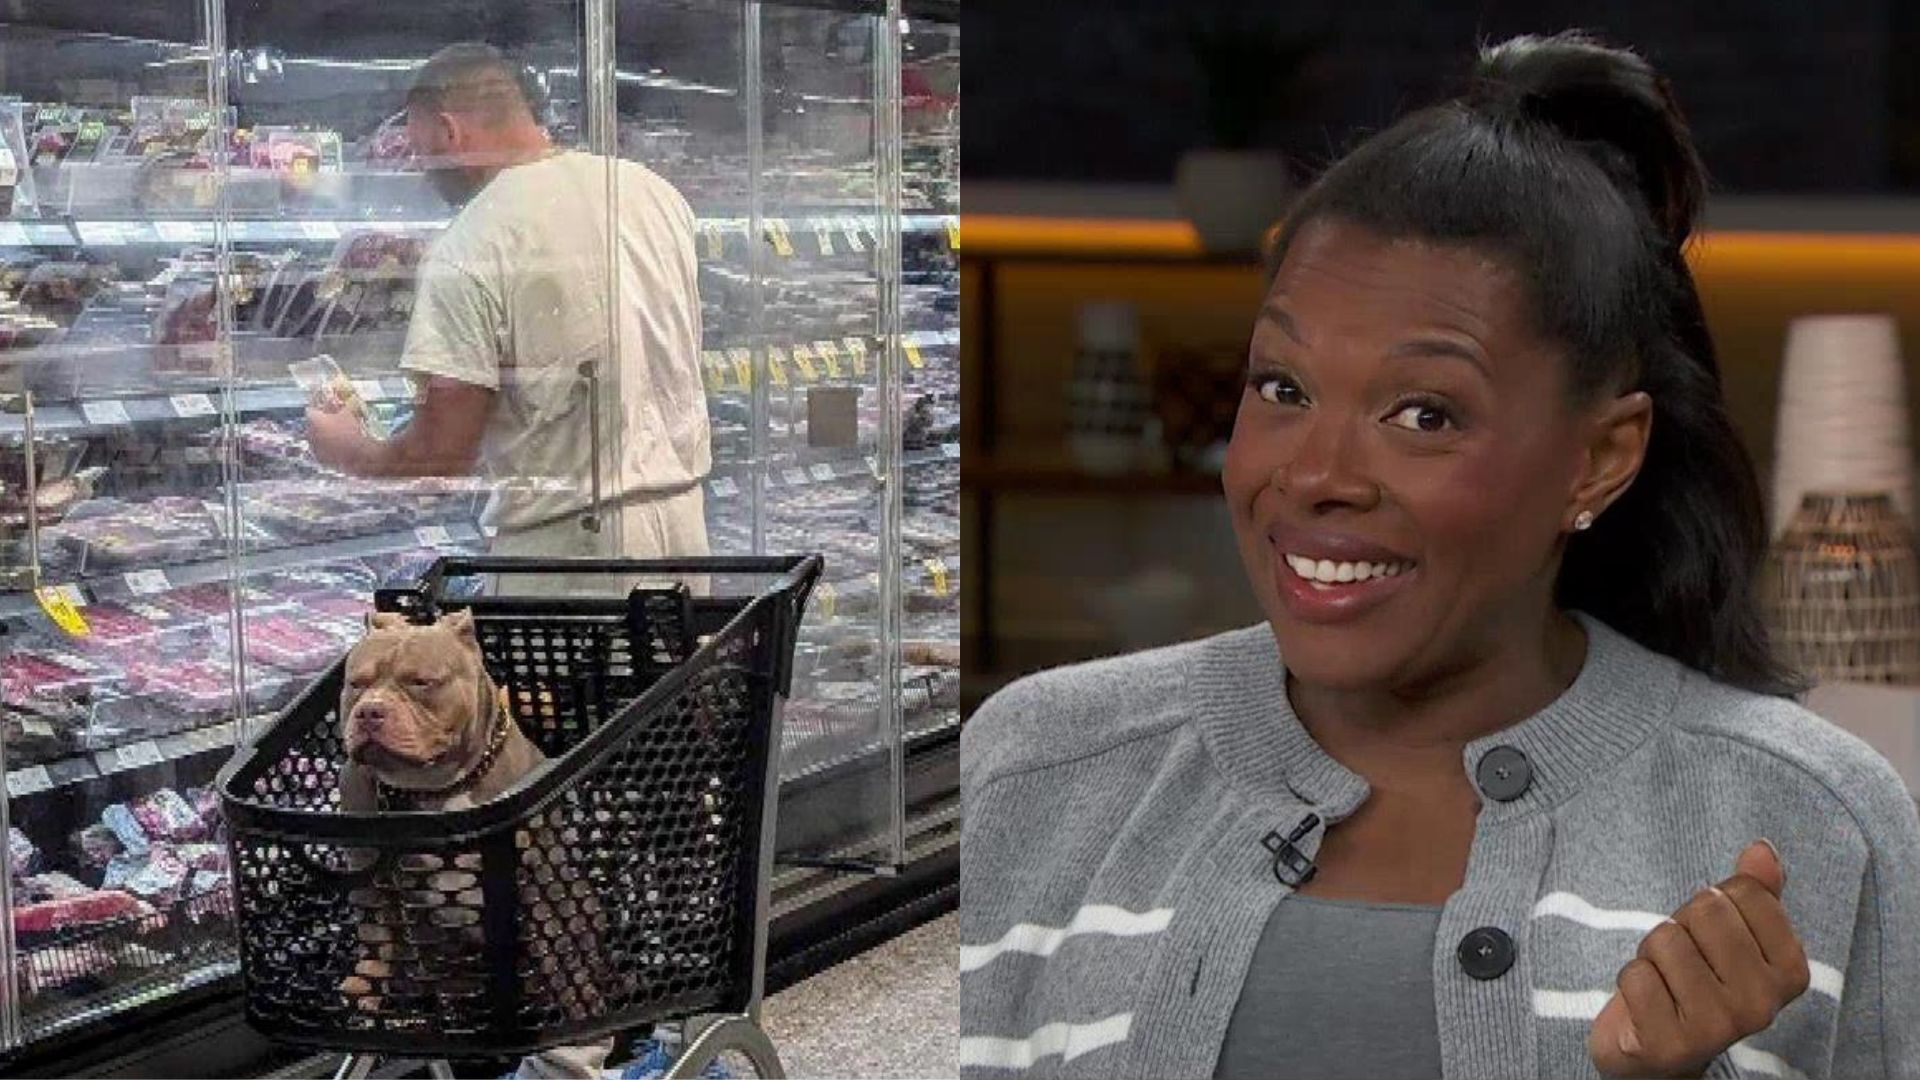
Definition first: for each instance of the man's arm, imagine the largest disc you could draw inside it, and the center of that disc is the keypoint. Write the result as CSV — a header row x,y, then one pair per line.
x,y
442,439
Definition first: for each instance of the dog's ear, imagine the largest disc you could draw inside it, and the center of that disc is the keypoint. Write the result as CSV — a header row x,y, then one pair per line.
x,y
385,620
461,624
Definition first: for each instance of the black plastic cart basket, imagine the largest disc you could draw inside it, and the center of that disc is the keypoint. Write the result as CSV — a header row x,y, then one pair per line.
x,y
621,884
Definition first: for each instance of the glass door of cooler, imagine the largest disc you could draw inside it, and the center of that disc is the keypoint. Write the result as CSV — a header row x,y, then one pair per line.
x,y
777,123
356,286
116,646
930,346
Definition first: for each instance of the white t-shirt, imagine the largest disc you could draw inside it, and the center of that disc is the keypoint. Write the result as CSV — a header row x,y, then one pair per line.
x,y
514,295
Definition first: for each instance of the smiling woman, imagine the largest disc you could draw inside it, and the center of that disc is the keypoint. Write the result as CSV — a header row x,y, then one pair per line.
x,y
1509,783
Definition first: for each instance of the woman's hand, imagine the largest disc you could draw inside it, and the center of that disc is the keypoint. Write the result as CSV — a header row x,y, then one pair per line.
x,y
1716,972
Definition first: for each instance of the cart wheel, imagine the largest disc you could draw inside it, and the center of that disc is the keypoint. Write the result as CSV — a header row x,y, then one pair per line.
x,y
723,1034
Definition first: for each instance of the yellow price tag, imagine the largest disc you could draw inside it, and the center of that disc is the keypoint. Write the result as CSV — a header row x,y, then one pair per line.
x,y
913,352
777,364
711,367
803,359
828,598
937,570
831,354
857,349
742,366
953,233
62,610
782,243
716,243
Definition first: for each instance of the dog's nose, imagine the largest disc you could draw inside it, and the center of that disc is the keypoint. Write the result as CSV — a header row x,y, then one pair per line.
x,y
371,715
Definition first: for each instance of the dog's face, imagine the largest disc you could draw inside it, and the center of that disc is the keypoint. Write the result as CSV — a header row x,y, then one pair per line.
x,y
416,700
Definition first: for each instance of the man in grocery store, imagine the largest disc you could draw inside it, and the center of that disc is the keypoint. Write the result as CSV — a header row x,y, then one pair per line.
x,y
513,304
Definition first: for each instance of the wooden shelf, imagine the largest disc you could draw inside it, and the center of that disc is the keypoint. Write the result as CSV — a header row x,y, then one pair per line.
x,y
1057,473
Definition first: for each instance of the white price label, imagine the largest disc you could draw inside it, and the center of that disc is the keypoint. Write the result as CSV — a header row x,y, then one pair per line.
x,y
13,234
950,450
27,781
187,406
725,487
141,754
369,389
100,233
824,229
850,228
822,472
105,412
148,582
211,738
873,466
433,535
796,477
37,727
319,230
72,595
178,232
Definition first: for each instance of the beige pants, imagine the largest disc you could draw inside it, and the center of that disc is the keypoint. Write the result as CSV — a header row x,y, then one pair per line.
x,y
671,527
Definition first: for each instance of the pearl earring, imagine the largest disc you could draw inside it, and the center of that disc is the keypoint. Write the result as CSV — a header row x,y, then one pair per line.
x,y
1583,521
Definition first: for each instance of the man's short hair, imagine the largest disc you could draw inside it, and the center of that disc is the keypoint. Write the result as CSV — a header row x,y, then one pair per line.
x,y
477,80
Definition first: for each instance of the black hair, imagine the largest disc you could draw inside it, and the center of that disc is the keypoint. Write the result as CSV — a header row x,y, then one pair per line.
x,y
1572,161
476,78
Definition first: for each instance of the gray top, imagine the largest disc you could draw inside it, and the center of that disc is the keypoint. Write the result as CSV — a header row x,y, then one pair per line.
x,y
1338,989
1114,882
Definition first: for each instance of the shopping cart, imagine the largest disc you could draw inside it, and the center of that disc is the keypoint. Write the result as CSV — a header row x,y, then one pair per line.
x,y
622,884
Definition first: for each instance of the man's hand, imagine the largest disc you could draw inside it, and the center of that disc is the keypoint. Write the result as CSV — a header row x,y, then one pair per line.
x,y
336,435
1719,970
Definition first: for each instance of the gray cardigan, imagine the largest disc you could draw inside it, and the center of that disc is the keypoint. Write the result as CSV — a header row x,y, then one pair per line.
x,y
1114,879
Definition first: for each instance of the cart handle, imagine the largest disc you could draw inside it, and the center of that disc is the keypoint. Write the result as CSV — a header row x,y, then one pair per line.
x,y
798,576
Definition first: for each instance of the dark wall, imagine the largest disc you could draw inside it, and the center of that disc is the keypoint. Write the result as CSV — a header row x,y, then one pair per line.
x,y
1784,96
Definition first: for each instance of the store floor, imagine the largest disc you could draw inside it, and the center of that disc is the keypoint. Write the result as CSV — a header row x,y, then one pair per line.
x,y
893,1011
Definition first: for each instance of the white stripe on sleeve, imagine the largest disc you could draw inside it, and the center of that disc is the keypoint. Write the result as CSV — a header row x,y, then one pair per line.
x,y
1043,940
1067,1040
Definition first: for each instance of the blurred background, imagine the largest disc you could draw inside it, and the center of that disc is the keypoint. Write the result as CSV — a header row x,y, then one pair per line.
x,y
1123,160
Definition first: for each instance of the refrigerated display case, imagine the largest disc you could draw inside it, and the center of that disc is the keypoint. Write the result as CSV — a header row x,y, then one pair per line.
x,y
202,227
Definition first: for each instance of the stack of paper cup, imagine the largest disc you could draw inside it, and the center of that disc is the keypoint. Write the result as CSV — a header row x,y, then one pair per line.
x,y
1843,414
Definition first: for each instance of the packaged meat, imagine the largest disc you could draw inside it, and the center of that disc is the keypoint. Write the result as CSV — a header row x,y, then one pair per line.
x,y
126,829
97,845
135,623
291,645
165,815
49,886
193,686
206,805
93,907
21,854
28,674
203,857
338,605
161,878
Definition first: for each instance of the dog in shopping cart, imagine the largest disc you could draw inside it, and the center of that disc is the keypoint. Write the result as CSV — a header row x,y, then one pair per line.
x,y
426,728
